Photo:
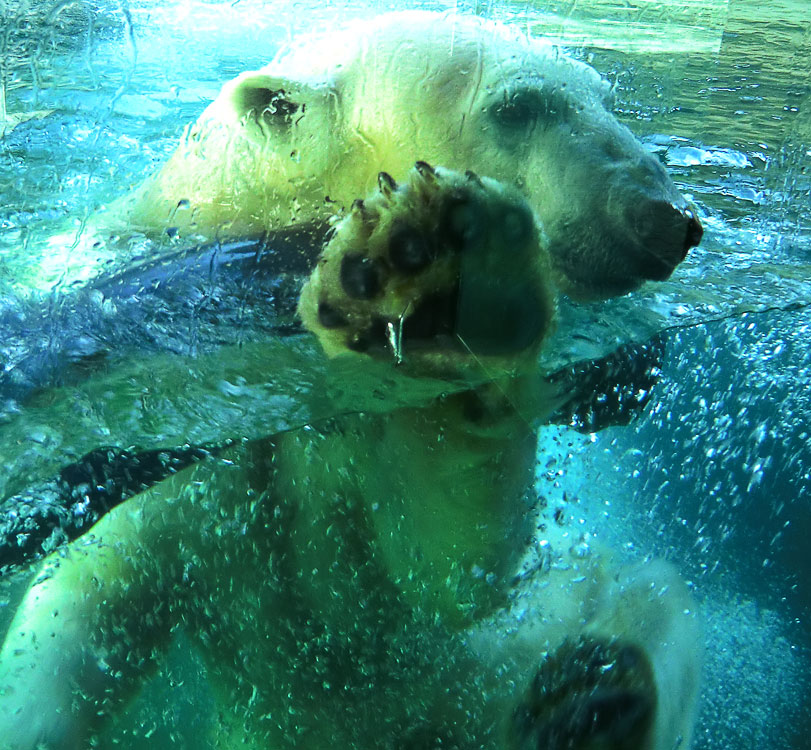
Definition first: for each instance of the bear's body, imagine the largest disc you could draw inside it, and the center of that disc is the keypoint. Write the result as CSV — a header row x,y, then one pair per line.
x,y
343,582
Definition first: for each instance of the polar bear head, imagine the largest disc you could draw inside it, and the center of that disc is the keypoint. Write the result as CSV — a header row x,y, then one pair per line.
x,y
303,137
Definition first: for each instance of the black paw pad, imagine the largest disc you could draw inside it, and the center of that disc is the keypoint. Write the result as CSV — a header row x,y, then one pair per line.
x,y
498,319
460,221
517,225
588,695
434,316
360,276
330,317
410,251
612,716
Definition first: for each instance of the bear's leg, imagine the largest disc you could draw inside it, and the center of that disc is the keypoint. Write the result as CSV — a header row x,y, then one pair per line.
x,y
93,624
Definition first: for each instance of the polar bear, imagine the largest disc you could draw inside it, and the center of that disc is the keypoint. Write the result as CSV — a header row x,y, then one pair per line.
x,y
354,583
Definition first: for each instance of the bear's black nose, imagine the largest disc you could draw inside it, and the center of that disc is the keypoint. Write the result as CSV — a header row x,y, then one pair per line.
x,y
664,231
694,230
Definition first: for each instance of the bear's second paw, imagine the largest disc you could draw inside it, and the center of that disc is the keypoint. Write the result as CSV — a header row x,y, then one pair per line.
x,y
588,695
440,270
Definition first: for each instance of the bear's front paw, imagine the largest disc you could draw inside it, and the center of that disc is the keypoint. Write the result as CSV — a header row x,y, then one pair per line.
x,y
441,270
588,695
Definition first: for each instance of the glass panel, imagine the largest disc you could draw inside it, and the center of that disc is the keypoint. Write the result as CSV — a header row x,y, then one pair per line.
x,y
147,336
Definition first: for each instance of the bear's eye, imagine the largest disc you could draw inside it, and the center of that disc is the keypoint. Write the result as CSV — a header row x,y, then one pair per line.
x,y
525,108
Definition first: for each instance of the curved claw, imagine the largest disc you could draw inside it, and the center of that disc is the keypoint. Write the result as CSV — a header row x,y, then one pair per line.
x,y
386,184
425,170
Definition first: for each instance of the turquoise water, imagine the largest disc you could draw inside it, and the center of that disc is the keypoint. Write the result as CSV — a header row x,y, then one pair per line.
x,y
714,476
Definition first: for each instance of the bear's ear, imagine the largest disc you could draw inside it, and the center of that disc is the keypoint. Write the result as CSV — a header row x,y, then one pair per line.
x,y
276,100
